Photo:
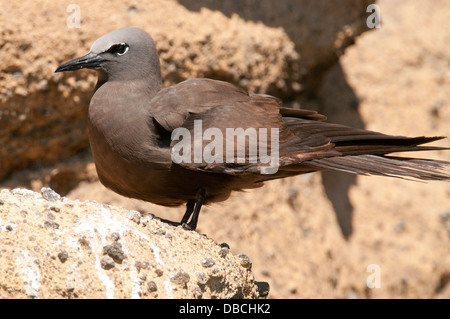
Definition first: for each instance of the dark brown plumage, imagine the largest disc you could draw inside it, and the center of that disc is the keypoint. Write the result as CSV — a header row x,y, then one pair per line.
x,y
131,119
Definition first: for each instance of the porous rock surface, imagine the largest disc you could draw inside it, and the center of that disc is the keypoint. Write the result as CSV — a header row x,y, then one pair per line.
x,y
54,247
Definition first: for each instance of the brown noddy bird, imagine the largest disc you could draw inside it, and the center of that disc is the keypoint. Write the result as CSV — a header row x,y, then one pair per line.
x,y
132,119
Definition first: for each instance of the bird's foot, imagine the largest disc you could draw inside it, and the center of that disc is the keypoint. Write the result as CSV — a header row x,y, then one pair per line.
x,y
187,226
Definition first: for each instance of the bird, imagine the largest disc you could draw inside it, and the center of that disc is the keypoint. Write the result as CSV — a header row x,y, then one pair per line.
x,y
143,136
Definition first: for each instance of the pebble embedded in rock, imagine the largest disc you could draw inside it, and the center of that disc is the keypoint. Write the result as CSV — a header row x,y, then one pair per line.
x,y
25,193
245,261
208,262
201,278
158,232
84,243
115,236
55,209
197,293
10,226
63,256
49,194
135,216
180,277
107,262
223,251
216,272
143,277
151,286
263,289
50,224
115,252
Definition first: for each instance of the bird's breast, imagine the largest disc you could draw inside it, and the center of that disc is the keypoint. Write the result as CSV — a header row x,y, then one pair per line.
x,y
126,155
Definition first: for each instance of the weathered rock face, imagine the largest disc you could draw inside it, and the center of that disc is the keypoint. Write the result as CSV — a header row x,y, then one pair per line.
x,y
53,247
320,30
43,115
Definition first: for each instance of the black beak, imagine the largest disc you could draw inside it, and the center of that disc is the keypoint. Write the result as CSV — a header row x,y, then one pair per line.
x,y
89,61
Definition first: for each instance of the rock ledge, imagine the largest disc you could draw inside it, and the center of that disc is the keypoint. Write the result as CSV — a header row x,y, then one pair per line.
x,y
54,247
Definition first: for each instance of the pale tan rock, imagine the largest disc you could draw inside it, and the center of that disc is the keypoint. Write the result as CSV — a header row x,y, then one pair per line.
x,y
59,248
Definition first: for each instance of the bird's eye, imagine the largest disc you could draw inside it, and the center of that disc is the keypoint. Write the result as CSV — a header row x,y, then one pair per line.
x,y
122,49
119,49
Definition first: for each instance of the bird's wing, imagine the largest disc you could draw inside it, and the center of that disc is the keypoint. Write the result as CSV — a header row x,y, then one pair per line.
x,y
219,106
305,141
172,105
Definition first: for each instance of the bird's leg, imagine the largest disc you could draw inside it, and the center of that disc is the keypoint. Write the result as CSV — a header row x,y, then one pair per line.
x,y
198,205
189,209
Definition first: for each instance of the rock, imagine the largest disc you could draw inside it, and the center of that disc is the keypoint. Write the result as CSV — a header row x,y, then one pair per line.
x,y
201,278
151,286
245,261
320,30
180,277
263,289
224,251
115,252
101,253
63,256
50,224
134,216
107,262
208,262
50,194
115,236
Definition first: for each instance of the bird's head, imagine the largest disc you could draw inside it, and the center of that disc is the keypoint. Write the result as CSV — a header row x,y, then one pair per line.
x,y
124,54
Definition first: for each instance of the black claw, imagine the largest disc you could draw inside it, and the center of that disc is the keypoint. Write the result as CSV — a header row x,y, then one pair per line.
x,y
194,211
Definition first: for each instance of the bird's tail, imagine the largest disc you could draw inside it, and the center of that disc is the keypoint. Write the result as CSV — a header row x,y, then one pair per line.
x,y
368,157
408,168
